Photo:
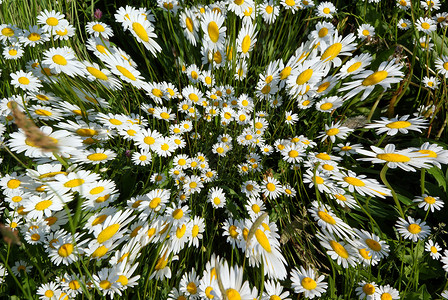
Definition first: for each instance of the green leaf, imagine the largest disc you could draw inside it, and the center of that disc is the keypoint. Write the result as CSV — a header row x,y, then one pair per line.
x,y
421,294
438,175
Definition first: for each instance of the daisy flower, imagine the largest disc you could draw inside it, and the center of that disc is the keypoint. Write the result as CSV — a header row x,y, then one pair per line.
x,y
271,187
269,11
328,221
431,82
13,51
121,67
325,10
426,45
305,281
347,149
395,125
143,31
366,290
99,29
190,25
435,153
405,159
217,197
404,24
291,5
20,267
291,118
94,156
387,292
214,31
387,73
333,131
355,65
429,202
62,59
25,81
47,291
95,73
433,249
442,65
372,243
246,39
51,20
404,4
365,31
107,282
444,261
34,36
344,254
274,290
426,25
141,158
412,229
337,45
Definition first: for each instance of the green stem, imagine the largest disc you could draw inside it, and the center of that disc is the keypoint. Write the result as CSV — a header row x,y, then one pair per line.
x,y
394,195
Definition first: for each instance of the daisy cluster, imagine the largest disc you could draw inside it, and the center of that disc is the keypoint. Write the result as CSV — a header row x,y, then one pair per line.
x,y
200,153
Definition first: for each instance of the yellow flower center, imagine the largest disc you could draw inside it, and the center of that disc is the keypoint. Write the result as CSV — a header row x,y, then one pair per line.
x,y
354,67
107,233
105,284
49,293
339,249
178,213
13,183
140,31
126,73
374,245
429,200
74,183
65,250
399,124
323,156
269,9
59,60
433,249
97,73
324,216
86,132
98,27
52,21
375,78
331,52
326,10
304,76
74,285
386,296
270,187
7,32
365,253
365,32
414,228
232,231
308,283
332,131
42,205
393,157
97,156
263,240
425,25
322,32
233,294
368,289
213,31
354,181
180,231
